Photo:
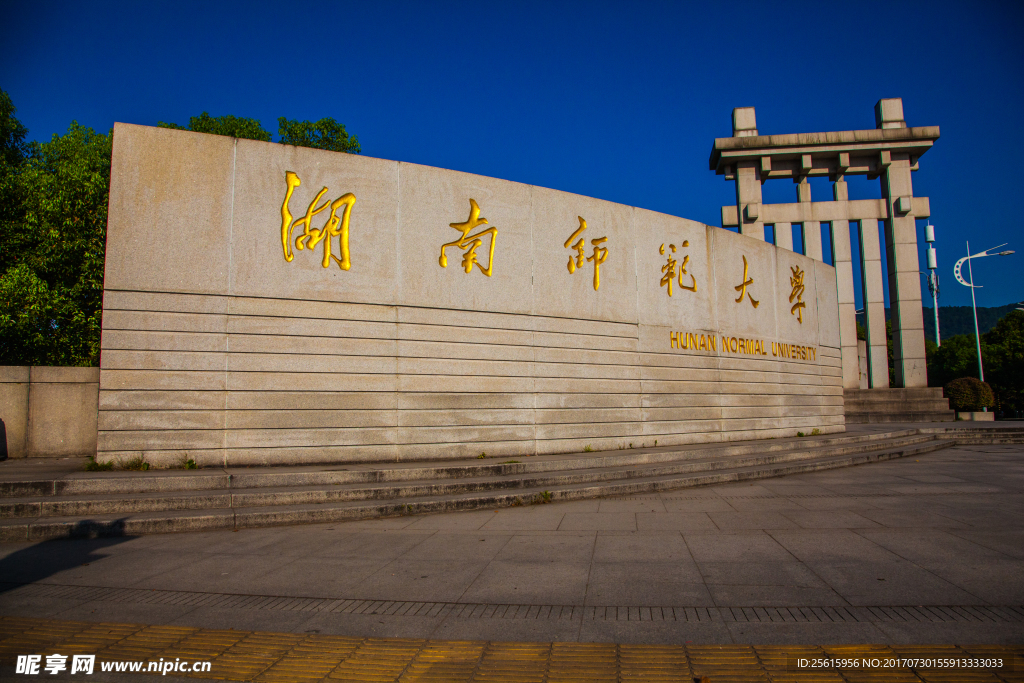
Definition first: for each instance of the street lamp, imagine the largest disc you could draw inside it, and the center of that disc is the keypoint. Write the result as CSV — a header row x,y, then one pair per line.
x,y
970,274
933,277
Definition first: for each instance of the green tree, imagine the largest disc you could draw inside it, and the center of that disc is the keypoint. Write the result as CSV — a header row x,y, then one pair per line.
x,y
324,134
51,286
233,126
53,216
1003,355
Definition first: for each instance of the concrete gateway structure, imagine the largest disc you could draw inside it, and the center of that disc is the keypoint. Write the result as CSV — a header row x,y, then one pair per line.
x,y
269,304
890,153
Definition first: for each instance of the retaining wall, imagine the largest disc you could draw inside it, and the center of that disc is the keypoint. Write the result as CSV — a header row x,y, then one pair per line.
x,y
49,412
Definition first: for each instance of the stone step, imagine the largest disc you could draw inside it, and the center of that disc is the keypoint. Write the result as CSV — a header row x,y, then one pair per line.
x,y
901,416
510,476
41,528
89,483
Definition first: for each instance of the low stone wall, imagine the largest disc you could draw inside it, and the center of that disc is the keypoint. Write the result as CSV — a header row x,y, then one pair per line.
x,y
49,412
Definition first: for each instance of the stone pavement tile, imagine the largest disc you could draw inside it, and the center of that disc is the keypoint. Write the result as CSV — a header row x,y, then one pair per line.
x,y
802,633
829,519
466,519
774,596
931,545
214,573
571,548
369,546
890,583
225,540
794,487
759,504
647,583
867,490
655,632
853,503
442,546
15,605
509,630
748,546
791,573
642,547
751,520
678,521
740,489
124,612
650,503
238,619
833,545
376,524
980,517
597,521
980,487
541,518
926,478
321,577
927,633
706,503
132,569
533,583
368,625
1007,541
998,582
28,562
426,580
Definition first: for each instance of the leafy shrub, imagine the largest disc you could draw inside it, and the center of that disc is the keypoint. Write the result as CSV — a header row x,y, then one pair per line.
x,y
969,394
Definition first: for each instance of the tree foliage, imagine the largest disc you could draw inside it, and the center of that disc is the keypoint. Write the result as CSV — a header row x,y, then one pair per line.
x,y
53,218
233,126
324,134
51,250
1002,352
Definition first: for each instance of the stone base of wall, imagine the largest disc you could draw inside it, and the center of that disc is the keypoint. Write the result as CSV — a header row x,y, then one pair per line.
x,y
48,412
977,416
924,404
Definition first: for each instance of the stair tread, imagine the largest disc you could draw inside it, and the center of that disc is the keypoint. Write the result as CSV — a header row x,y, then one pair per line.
x,y
925,446
79,483
514,474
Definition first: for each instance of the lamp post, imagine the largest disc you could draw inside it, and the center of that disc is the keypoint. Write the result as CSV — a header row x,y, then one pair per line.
x,y
974,306
933,277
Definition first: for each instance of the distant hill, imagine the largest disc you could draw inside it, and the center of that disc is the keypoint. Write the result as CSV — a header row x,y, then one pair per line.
x,y
955,320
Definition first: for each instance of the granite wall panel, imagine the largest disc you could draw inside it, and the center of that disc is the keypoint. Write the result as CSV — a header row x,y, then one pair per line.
x,y
222,345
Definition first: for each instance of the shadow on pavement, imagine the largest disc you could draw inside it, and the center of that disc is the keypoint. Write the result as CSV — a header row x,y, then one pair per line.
x,y
46,558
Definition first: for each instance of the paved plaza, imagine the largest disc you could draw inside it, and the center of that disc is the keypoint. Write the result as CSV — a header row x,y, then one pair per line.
x,y
927,549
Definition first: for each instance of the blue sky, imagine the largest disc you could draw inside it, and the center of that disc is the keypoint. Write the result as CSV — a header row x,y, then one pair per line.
x,y
616,100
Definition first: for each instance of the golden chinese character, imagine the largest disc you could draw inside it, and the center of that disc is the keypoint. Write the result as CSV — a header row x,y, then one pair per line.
x,y
471,242
742,287
577,261
797,282
310,237
669,270
598,257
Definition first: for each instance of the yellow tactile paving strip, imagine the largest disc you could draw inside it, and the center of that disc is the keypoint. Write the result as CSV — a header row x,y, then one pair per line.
x,y
295,658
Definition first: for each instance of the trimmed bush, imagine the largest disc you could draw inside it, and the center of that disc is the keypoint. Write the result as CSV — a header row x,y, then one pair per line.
x,y
969,394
